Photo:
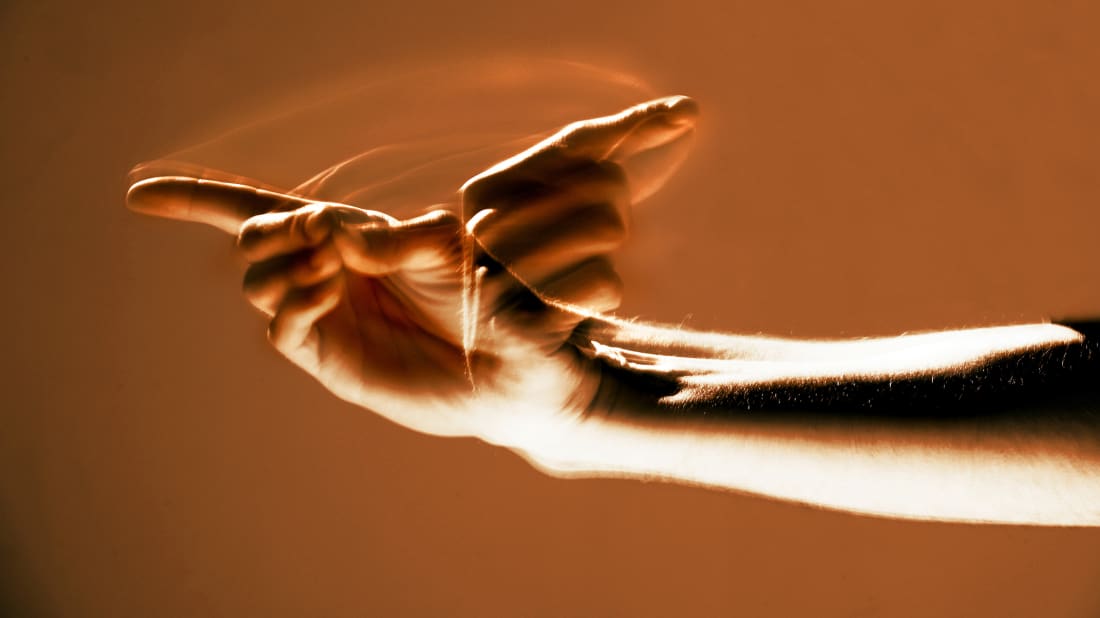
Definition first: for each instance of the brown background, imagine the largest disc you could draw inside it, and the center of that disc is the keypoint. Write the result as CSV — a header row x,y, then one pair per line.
x,y
864,167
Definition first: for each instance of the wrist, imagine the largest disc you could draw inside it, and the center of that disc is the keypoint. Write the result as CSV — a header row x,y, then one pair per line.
x,y
535,404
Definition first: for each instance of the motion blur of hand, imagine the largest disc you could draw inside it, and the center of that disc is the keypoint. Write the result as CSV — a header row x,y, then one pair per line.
x,y
451,323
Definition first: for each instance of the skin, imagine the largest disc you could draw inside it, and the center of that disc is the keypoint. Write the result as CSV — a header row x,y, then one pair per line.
x,y
493,322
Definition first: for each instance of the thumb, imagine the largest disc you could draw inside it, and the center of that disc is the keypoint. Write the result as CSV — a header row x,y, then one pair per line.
x,y
634,130
648,140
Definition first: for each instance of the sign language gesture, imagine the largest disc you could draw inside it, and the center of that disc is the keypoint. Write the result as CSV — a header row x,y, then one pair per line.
x,y
485,322
449,323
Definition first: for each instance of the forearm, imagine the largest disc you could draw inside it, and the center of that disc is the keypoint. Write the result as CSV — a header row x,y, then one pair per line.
x,y
1015,439
968,471
907,352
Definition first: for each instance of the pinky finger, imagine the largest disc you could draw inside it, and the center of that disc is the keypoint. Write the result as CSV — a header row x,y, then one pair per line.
x,y
293,329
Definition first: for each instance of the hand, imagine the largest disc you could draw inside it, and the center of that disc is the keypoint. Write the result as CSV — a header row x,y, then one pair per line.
x,y
374,307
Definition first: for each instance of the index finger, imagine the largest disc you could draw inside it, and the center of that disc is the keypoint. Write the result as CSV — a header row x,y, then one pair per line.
x,y
224,204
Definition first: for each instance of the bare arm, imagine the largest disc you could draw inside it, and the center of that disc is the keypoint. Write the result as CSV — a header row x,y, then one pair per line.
x,y
997,424
993,424
982,425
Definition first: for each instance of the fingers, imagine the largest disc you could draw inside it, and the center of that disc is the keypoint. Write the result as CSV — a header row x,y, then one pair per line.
x,y
586,286
278,233
535,256
592,285
299,258
551,215
520,316
556,241
513,312
650,127
642,127
302,248
267,283
292,331
225,205
272,234
369,242
290,252
294,250
380,248
534,200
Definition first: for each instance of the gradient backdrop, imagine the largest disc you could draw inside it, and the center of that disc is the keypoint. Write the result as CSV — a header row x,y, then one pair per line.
x,y
862,168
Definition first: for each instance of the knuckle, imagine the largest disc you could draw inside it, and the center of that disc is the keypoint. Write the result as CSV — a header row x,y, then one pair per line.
x,y
614,291
438,227
475,194
483,222
253,231
313,222
259,292
606,293
381,245
606,286
474,188
593,284
442,220
254,279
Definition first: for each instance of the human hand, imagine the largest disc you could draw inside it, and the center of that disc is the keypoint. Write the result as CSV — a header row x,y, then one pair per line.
x,y
373,307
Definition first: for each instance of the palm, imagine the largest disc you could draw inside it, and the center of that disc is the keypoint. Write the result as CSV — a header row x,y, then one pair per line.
x,y
379,335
